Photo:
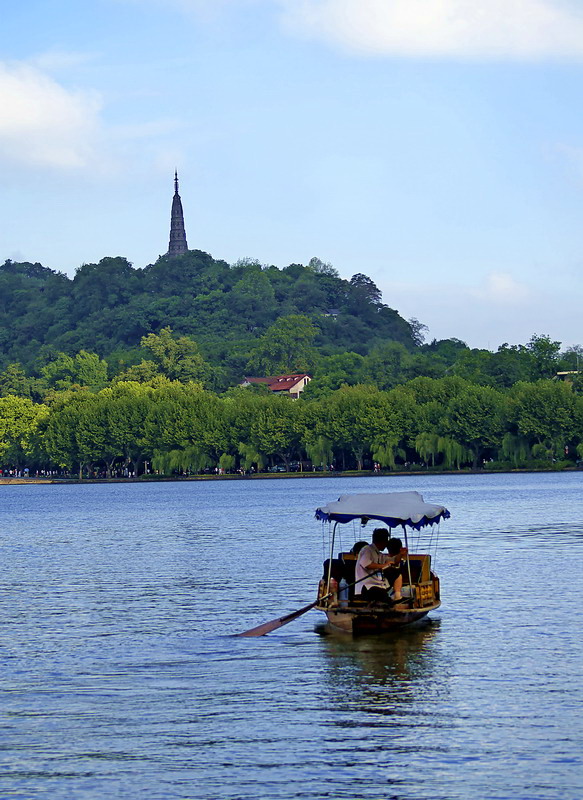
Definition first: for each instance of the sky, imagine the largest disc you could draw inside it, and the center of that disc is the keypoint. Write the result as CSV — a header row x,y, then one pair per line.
x,y
433,145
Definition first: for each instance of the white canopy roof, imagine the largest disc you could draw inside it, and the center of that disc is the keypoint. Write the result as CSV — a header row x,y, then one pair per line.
x,y
392,508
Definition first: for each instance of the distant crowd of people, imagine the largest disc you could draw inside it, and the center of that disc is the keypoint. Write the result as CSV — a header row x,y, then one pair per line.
x,y
7,472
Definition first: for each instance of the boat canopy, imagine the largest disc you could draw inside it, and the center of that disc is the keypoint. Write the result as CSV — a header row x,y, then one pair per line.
x,y
392,508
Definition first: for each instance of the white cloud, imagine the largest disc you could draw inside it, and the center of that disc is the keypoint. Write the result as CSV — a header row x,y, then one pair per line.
x,y
43,123
469,29
497,309
60,60
206,9
501,288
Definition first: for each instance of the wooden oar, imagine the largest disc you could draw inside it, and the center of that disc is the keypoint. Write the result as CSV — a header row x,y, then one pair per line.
x,y
274,624
267,627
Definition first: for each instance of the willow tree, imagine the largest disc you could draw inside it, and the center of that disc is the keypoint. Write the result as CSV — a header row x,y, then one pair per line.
x,y
250,457
183,461
320,451
426,445
386,450
454,454
515,448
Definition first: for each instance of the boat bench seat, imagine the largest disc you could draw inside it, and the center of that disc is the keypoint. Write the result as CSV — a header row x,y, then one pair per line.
x,y
420,563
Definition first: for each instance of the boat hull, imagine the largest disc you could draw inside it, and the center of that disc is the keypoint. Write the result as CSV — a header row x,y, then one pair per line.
x,y
358,621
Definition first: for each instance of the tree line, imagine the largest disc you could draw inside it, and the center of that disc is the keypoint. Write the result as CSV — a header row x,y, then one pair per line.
x,y
182,428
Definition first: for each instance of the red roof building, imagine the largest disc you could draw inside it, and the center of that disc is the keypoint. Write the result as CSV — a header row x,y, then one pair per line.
x,y
293,385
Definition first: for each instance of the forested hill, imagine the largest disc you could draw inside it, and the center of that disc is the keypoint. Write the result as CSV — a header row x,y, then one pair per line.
x,y
108,307
192,317
120,366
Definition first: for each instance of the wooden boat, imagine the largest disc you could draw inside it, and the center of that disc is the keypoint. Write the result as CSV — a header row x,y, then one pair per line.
x,y
337,595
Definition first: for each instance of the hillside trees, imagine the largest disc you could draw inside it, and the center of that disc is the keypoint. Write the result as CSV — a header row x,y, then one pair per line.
x,y
14,380
286,346
109,306
253,297
84,369
178,358
125,360
110,283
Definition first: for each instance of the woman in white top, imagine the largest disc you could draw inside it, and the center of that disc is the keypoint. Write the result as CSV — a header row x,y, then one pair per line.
x,y
376,571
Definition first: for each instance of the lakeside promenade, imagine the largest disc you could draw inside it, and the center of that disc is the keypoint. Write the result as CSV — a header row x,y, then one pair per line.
x,y
283,476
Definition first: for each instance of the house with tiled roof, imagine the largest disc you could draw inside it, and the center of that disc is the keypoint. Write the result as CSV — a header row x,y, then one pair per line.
x,y
293,384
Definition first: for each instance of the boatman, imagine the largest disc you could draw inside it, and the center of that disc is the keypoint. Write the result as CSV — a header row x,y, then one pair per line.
x,y
377,571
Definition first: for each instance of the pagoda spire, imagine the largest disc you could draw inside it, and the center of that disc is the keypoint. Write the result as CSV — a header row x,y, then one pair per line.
x,y
177,245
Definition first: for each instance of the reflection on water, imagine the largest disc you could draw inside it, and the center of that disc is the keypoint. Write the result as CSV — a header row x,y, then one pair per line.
x,y
122,680
382,668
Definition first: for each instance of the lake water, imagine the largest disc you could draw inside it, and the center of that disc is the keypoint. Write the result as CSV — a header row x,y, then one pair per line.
x,y
121,677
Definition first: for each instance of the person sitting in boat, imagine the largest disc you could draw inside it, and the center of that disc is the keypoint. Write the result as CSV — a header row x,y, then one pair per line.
x,y
379,572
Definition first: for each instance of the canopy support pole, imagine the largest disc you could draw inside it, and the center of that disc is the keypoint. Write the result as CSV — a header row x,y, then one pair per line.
x,y
408,562
330,559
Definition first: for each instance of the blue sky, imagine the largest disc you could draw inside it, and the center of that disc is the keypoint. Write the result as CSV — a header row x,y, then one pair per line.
x,y
435,145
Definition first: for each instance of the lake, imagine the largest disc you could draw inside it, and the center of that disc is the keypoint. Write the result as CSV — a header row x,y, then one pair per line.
x,y
121,677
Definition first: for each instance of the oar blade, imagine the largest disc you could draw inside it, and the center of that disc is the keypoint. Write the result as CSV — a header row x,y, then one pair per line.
x,y
261,630
274,624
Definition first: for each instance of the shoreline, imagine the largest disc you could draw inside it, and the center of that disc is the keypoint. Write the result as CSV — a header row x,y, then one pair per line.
x,y
280,476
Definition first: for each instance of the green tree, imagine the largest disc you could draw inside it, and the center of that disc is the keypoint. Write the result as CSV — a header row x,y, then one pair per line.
x,y
387,365
253,298
545,356
250,457
186,461
366,289
332,372
510,364
475,419
427,446
454,454
320,451
277,428
178,358
322,268
76,434
127,406
286,346
353,418
144,372
474,366
83,369
89,370
13,380
187,417
515,449
545,413
385,452
20,420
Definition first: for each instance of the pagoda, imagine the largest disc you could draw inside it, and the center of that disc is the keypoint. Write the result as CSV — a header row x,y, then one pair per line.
x,y
177,245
